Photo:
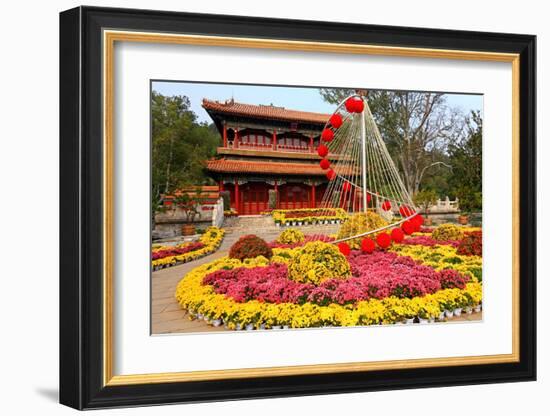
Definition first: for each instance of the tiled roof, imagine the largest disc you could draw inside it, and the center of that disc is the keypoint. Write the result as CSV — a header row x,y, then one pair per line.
x,y
264,111
244,166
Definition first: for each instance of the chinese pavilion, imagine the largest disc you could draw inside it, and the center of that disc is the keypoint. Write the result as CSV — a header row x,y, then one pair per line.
x,y
267,147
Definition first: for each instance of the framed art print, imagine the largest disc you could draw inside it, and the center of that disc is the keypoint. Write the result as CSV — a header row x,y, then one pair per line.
x,y
259,207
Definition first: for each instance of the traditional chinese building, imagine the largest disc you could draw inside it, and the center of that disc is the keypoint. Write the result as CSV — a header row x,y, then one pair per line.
x,y
267,147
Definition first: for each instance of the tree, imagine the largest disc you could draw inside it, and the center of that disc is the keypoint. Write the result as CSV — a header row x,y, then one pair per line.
x,y
416,127
180,145
466,157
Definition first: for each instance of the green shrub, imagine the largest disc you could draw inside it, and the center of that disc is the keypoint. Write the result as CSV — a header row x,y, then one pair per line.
x,y
447,232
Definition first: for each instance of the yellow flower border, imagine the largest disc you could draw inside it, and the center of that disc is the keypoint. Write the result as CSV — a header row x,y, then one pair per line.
x,y
201,300
212,239
279,216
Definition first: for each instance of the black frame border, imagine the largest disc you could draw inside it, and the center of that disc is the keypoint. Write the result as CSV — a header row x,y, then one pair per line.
x,y
81,221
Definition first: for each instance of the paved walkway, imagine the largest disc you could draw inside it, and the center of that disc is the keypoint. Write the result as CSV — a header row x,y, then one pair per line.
x,y
167,315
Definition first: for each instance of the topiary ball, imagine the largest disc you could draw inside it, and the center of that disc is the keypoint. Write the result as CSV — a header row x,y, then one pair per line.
x,y
318,261
383,240
360,223
249,247
291,236
447,232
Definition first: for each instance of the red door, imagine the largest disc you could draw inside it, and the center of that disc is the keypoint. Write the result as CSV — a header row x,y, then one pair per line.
x,y
254,198
294,196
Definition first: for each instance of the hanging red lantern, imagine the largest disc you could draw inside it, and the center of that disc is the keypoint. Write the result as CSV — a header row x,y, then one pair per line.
x,y
322,150
327,135
386,205
346,187
325,164
344,248
383,240
335,120
397,235
331,174
419,219
359,106
368,245
406,211
352,105
368,198
408,227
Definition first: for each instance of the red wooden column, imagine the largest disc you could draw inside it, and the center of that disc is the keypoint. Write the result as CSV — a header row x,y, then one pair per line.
x,y
237,195
312,204
224,135
236,139
277,194
311,144
274,140
220,186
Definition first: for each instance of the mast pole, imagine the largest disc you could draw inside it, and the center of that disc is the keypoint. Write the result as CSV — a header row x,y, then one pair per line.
x,y
364,156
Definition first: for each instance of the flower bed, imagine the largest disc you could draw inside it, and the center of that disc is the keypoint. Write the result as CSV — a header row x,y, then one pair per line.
x,y
201,300
166,256
308,216
380,288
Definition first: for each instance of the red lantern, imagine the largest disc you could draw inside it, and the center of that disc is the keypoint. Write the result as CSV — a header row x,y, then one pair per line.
x,y
322,150
359,106
335,120
331,174
354,105
406,211
368,198
325,164
327,135
419,218
367,245
397,235
408,227
346,187
383,240
344,249
386,205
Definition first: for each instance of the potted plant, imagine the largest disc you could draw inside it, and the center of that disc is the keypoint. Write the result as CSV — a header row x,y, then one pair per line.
x,y
469,200
424,200
190,206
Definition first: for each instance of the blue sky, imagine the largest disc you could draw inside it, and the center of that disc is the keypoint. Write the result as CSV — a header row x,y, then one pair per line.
x,y
306,99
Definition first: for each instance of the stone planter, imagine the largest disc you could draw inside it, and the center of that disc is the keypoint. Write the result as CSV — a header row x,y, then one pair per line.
x,y
448,314
188,229
457,312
